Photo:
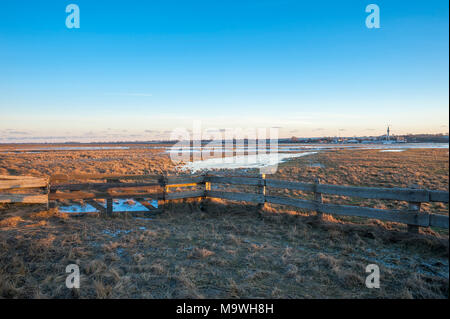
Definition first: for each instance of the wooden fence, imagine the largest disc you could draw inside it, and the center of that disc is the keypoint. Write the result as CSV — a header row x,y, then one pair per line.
x,y
23,189
412,216
91,188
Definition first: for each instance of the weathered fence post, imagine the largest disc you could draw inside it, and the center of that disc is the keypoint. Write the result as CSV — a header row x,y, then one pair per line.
x,y
205,198
109,201
109,206
318,197
262,190
46,190
51,204
414,207
163,181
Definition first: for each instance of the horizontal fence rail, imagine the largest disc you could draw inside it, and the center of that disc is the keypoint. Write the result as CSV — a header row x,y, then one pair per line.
x,y
35,189
58,178
23,183
244,197
23,198
92,187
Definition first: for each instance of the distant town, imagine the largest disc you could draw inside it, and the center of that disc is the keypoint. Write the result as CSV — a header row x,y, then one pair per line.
x,y
383,139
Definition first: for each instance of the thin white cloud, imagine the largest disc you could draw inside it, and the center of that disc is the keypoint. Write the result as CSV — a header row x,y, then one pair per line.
x,y
130,94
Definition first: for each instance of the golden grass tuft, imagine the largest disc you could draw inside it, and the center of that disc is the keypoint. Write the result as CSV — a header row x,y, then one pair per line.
x,y
199,253
46,214
11,221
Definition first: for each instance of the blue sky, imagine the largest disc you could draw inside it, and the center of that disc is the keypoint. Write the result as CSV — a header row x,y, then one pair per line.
x,y
136,70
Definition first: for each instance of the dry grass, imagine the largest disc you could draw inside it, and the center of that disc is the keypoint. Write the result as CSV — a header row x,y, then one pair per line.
x,y
138,161
426,168
226,252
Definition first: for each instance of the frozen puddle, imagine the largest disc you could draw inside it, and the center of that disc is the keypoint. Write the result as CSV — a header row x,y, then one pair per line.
x,y
247,161
77,208
393,151
119,205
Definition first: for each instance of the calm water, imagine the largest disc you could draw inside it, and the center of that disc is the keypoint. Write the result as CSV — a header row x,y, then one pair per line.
x,y
317,147
243,161
239,148
286,152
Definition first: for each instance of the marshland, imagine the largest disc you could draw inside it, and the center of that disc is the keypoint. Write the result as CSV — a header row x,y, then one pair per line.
x,y
223,249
